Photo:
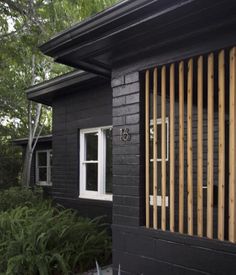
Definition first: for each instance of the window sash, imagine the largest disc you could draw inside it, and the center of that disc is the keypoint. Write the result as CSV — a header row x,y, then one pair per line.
x,y
100,194
48,182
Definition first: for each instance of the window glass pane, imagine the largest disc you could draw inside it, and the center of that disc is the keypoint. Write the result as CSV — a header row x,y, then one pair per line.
x,y
91,176
42,174
108,133
42,158
158,141
91,140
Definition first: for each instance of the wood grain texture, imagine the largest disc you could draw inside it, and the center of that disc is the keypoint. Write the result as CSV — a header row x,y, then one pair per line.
x,y
232,148
181,147
221,150
147,132
163,148
172,147
210,145
155,149
190,147
200,147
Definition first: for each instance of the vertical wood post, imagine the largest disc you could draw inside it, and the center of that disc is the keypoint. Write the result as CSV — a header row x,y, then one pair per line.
x,y
189,147
155,148
210,145
172,147
232,148
221,151
147,133
181,147
200,147
163,147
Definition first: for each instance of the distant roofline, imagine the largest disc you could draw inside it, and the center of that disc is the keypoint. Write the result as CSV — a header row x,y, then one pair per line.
x,y
24,141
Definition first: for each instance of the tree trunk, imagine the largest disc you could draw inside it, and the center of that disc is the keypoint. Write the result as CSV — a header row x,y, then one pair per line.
x,y
33,126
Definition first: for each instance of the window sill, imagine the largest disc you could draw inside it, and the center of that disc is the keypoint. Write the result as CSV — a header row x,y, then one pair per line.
x,y
44,184
97,197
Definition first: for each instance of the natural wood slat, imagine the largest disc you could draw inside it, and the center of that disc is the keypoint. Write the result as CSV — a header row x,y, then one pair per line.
x,y
210,145
155,148
172,147
147,133
163,147
189,147
200,147
232,149
181,147
221,151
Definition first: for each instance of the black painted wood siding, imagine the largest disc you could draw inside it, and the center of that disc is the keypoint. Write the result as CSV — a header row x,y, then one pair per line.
x,y
147,251
79,110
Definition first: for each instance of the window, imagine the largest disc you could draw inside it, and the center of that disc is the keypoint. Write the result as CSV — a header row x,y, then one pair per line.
x,y
43,167
159,121
96,163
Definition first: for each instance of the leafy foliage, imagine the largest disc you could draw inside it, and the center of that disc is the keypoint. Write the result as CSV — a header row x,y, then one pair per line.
x,y
36,238
18,196
25,24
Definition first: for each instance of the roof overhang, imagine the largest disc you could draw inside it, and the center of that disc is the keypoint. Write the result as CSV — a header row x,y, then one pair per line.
x,y
132,29
72,82
24,141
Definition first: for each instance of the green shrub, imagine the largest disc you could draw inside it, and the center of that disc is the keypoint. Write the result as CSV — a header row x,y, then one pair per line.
x,y
37,238
18,196
44,240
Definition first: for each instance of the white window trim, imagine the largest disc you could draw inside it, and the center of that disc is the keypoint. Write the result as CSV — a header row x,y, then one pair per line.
x,y
49,176
100,194
159,198
159,122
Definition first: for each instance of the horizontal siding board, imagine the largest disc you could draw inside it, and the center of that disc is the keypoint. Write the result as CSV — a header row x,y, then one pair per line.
x,y
72,112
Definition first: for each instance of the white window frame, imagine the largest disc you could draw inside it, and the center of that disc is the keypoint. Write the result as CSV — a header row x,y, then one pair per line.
x,y
100,194
159,198
159,122
49,176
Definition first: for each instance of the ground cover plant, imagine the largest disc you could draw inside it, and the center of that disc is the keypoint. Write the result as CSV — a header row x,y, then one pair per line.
x,y
38,238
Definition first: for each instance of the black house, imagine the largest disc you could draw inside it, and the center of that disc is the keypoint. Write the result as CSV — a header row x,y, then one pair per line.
x,y
147,135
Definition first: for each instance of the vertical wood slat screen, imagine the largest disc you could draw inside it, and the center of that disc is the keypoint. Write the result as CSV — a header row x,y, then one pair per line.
x,y
210,144
181,147
172,148
186,94
232,149
163,148
155,149
200,146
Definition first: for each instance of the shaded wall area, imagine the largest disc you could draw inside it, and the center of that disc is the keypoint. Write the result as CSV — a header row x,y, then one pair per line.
x,y
86,108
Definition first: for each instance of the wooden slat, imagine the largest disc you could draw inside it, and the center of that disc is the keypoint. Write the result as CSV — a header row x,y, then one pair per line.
x,y
221,151
172,147
200,147
210,145
189,147
155,148
181,147
147,133
232,148
163,147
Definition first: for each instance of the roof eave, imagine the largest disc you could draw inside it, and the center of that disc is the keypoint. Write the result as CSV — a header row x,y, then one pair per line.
x,y
46,91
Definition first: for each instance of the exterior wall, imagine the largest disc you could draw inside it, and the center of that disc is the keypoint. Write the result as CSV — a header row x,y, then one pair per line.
x,y
72,112
128,192
146,251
